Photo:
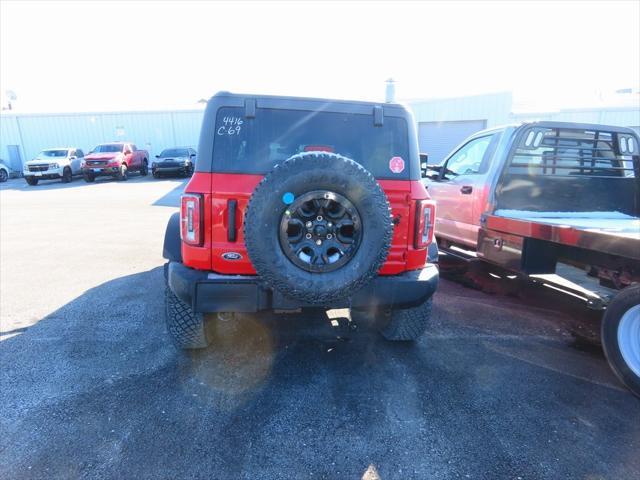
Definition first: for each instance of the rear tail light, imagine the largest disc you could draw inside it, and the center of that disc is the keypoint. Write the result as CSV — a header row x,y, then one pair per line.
x,y
425,218
191,219
318,148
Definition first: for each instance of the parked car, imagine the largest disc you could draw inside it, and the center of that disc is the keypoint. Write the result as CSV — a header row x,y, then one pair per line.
x,y
178,160
4,172
54,163
300,203
115,159
527,198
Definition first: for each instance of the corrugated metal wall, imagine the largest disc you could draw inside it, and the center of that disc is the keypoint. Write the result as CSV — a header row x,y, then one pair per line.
x,y
162,129
152,131
494,109
444,123
440,138
621,117
454,115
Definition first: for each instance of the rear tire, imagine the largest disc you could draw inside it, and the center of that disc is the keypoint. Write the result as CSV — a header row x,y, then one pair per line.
x,y
408,324
4,176
621,336
89,177
31,181
145,168
185,327
155,174
67,176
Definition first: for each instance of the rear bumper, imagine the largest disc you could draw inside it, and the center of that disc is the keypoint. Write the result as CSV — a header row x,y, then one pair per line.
x,y
211,292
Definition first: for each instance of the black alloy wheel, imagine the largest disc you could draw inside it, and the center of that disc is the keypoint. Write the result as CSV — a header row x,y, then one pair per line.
x,y
320,231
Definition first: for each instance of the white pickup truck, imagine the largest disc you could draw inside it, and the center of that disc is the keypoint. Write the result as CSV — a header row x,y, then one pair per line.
x,y
54,163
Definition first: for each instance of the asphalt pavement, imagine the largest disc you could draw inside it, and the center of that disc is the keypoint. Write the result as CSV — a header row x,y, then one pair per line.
x,y
508,384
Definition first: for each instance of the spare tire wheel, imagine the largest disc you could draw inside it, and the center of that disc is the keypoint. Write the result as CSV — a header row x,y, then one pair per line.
x,y
318,228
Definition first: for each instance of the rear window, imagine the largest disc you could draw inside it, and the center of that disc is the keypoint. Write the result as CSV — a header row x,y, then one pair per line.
x,y
53,153
256,145
175,152
572,152
108,148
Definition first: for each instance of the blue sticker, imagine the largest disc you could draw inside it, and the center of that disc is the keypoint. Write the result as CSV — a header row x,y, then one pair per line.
x,y
288,198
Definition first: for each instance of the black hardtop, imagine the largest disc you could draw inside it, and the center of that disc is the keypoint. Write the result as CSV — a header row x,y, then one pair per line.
x,y
252,102
305,103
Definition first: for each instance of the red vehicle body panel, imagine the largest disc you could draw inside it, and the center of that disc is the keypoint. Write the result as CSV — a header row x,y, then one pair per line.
x,y
133,159
403,196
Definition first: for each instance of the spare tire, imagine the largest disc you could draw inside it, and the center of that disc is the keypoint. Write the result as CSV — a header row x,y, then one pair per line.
x,y
318,228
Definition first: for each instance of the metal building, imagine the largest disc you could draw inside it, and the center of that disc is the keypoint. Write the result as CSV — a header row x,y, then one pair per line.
x,y
443,123
22,136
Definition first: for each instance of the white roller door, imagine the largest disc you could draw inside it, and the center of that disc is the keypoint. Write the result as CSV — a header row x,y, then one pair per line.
x,y
437,139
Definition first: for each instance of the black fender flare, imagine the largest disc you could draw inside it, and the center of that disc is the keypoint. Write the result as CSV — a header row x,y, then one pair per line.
x,y
171,249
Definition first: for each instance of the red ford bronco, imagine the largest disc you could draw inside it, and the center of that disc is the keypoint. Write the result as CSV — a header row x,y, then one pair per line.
x,y
301,203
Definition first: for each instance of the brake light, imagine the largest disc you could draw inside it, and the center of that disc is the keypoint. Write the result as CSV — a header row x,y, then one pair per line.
x,y
191,219
318,148
425,218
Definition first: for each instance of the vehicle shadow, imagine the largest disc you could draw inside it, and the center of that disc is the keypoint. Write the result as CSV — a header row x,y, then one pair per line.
x,y
576,319
171,198
95,389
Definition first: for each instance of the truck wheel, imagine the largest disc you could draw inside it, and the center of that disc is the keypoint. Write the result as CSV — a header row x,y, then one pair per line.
x,y
89,177
66,175
145,168
33,181
123,172
318,228
185,327
621,336
407,324
4,176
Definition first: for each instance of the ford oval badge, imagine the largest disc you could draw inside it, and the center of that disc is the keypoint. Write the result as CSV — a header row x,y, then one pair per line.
x,y
231,256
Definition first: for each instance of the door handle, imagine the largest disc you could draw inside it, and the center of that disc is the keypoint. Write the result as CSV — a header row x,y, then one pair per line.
x,y
466,189
232,206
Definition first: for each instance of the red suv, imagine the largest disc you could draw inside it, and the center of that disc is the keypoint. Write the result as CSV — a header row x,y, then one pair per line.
x,y
298,203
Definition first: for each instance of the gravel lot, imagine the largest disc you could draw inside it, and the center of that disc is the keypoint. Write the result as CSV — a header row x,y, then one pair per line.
x,y
503,386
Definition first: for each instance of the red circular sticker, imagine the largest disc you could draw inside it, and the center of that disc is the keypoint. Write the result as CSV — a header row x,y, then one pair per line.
x,y
396,165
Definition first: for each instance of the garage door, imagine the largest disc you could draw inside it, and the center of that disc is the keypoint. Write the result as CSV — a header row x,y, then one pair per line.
x,y
438,138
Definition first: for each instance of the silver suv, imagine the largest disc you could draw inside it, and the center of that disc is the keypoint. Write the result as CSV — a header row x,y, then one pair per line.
x,y
54,163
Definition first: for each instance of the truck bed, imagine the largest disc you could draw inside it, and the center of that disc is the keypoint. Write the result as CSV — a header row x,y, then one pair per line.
x,y
615,234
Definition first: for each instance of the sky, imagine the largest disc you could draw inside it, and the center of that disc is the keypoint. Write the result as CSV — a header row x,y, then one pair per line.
x,y
94,56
